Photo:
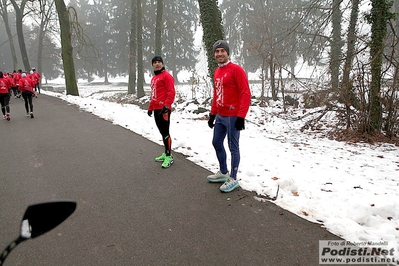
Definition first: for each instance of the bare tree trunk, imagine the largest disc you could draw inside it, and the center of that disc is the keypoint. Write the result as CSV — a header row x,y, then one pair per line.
x,y
273,78
393,112
346,89
40,51
4,14
173,55
106,80
67,50
45,14
19,14
263,78
46,11
282,88
379,17
336,44
158,28
140,72
131,89
211,20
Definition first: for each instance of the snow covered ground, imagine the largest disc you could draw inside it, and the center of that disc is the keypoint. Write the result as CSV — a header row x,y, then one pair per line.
x,y
352,189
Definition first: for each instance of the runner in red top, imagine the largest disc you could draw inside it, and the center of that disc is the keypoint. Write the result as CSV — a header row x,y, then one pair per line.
x,y
17,77
230,104
9,77
38,77
162,97
26,86
14,87
5,86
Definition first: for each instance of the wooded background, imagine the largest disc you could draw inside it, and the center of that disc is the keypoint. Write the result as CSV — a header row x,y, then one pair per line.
x,y
353,42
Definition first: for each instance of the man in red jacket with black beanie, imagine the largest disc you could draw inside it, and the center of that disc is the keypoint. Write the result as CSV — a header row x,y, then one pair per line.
x,y
162,97
230,104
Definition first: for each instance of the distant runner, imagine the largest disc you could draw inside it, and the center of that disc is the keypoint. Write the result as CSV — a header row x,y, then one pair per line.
x,y
26,87
5,86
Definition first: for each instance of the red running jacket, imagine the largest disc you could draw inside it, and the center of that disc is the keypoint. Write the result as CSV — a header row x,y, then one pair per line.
x,y
5,85
162,91
26,84
231,94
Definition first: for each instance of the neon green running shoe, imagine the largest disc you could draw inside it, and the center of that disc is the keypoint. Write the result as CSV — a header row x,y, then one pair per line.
x,y
167,162
161,158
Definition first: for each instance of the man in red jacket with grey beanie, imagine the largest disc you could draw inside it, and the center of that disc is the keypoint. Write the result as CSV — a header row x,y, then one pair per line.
x,y
230,104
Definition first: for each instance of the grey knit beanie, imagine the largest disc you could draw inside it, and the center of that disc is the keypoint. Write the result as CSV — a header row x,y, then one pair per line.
x,y
221,44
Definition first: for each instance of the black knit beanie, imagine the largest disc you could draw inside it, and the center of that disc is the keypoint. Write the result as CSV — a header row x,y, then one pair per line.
x,y
156,58
221,44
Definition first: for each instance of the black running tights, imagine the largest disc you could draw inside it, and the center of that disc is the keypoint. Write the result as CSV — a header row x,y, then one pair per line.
x,y
162,120
4,102
27,95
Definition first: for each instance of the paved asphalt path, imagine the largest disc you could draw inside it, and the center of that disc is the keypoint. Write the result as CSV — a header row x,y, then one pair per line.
x,y
131,211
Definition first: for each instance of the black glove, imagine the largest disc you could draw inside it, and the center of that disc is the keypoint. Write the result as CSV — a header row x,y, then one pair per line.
x,y
239,125
211,120
149,112
165,109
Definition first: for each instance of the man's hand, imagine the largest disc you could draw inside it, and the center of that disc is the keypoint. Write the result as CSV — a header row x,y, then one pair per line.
x,y
211,120
239,125
165,109
149,112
